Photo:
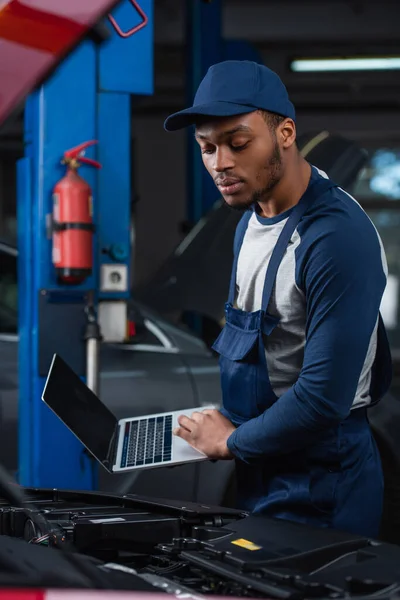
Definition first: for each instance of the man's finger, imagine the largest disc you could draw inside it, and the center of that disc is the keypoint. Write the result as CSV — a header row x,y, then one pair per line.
x,y
197,417
186,423
182,433
210,411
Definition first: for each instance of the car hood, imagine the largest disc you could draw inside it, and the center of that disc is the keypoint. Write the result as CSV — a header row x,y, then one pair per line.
x,y
195,278
35,38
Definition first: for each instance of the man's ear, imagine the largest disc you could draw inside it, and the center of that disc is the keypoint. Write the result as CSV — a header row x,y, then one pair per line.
x,y
287,133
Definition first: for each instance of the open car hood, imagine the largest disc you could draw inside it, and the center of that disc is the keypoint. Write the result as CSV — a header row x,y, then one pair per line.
x,y
195,277
35,35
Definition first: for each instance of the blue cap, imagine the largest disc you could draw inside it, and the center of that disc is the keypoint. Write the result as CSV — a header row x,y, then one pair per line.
x,y
235,87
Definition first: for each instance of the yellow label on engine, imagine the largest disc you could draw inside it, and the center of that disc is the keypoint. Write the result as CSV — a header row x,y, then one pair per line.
x,y
246,544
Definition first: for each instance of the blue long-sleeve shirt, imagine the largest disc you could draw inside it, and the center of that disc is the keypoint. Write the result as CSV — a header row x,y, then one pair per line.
x,y
327,294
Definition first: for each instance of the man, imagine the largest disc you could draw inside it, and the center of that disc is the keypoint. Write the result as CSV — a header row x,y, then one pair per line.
x,y
303,351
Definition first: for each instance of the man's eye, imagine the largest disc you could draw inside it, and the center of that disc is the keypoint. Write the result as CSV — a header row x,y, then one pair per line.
x,y
207,150
239,147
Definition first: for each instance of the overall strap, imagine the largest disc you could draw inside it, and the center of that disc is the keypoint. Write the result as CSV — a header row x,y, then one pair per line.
x,y
239,235
314,190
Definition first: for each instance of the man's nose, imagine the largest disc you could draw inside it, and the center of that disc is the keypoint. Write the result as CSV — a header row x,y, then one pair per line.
x,y
223,160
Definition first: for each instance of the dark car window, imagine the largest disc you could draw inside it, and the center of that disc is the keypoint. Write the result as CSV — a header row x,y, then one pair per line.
x,y
8,293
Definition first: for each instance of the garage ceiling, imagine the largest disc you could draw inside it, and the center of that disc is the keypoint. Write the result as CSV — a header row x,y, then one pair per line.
x,y
281,30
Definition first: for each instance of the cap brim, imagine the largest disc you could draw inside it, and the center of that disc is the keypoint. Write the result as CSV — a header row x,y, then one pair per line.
x,y
188,116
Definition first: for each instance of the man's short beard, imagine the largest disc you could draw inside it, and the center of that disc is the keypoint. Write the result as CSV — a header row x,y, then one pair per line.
x,y
274,168
275,175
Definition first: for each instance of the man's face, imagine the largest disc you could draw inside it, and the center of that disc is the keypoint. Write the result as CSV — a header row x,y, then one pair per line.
x,y
243,156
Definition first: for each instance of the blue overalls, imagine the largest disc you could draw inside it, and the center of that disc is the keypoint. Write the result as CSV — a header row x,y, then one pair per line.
x,y
335,482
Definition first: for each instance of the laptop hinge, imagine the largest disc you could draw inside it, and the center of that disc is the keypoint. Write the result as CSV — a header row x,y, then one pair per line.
x,y
112,448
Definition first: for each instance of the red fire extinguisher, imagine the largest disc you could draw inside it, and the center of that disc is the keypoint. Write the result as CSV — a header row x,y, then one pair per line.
x,y
73,220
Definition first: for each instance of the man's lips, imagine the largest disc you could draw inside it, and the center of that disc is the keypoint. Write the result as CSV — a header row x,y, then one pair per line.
x,y
230,186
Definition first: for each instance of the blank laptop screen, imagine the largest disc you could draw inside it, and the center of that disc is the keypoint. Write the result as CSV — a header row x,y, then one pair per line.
x,y
79,408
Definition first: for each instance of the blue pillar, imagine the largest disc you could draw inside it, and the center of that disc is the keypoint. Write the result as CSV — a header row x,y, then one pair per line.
x,y
88,97
60,115
125,68
205,47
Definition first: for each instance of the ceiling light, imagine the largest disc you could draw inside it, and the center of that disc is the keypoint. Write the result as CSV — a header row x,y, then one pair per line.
x,y
312,65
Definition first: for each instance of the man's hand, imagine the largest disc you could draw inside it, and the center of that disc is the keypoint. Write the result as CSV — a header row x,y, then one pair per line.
x,y
207,431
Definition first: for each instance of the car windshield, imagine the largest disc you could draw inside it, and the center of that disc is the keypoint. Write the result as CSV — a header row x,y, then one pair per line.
x,y
8,293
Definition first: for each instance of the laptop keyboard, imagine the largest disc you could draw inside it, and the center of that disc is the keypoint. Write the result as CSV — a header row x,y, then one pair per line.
x,y
147,441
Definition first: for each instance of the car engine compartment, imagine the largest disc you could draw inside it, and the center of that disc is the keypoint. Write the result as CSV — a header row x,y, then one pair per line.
x,y
92,540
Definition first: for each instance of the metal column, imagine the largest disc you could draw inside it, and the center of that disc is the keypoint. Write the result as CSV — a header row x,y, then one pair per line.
x,y
88,97
61,114
205,47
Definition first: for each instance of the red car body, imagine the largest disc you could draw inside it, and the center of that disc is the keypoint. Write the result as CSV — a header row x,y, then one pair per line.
x,y
34,36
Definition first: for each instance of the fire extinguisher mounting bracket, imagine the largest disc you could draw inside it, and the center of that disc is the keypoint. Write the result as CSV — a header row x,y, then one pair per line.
x,y
65,226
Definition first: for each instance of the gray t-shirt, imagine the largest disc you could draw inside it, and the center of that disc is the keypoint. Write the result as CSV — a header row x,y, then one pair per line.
x,y
316,294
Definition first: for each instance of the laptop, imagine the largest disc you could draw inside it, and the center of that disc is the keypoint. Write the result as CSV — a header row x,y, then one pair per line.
x,y
118,445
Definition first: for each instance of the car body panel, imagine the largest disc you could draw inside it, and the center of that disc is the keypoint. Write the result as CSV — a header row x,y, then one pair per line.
x,y
8,403
34,36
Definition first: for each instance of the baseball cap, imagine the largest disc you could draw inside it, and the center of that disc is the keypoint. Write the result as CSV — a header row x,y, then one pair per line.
x,y
235,87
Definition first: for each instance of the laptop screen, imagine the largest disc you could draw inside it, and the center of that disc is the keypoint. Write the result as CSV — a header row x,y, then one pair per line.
x,y
79,408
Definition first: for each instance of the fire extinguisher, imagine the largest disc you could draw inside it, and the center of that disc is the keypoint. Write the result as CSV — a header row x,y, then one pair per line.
x,y
72,223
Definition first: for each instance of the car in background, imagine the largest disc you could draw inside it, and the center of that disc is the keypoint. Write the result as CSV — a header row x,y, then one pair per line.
x,y
163,367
